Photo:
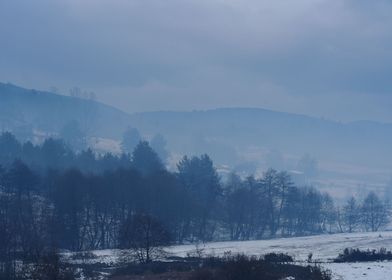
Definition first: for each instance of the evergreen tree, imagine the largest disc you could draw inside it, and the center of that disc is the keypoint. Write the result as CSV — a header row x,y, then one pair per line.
x,y
145,159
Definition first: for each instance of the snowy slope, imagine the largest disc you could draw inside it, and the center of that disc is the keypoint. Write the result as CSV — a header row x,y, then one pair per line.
x,y
360,271
323,247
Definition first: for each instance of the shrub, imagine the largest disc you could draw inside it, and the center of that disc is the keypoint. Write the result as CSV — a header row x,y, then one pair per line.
x,y
238,267
357,255
278,258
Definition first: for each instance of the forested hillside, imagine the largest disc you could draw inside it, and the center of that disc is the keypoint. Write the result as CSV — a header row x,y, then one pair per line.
x,y
52,198
241,138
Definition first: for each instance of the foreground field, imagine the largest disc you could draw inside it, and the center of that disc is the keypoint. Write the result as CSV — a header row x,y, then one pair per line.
x,y
322,247
360,271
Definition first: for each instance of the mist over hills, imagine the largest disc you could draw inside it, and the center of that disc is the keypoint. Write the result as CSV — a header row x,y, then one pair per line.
x,y
291,133
232,136
49,112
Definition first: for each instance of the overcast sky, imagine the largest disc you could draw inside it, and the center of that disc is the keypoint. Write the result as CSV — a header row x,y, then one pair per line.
x,y
328,58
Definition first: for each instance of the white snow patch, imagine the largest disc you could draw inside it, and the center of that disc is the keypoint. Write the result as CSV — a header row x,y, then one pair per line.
x,y
105,145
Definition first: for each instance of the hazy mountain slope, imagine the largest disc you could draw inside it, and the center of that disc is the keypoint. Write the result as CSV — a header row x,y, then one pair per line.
x,y
224,133
49,112
360,141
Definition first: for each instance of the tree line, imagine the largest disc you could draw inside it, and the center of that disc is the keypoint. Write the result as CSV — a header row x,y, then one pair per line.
x,y
52,197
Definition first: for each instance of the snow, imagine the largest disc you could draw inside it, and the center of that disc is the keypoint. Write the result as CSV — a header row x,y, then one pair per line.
x,y
323,247
359,271
105,145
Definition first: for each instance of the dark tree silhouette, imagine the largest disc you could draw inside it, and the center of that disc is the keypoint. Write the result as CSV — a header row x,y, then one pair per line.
x,y
145,236
200,178
10,148
374,212
73,135
351,214
146,160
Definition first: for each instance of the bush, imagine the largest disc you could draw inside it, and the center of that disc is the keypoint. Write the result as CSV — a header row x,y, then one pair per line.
x,y
357,255
51,267
238,267
278,258
251,268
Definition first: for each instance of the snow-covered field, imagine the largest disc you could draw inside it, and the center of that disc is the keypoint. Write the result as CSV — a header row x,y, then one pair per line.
x,y
360,271
323,247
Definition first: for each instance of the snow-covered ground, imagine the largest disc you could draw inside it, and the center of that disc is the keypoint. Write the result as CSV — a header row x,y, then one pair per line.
x,y
323,247
105,145
360,271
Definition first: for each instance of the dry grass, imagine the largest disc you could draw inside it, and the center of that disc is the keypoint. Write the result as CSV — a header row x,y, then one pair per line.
x,y
176,275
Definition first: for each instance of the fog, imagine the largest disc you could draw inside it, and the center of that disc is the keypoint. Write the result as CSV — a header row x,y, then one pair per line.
x,y
322,58
303,79
129,128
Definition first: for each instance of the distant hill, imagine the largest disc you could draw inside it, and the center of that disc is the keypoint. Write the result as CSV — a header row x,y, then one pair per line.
x,y
366,142
49,112
227,134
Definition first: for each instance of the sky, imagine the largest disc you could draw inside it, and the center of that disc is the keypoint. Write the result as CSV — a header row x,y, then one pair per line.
x,y
326,58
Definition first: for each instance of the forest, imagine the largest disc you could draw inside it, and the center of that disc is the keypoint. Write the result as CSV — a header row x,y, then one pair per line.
x,y
53,198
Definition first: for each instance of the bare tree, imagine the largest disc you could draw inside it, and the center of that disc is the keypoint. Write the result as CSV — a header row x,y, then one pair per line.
x,y
351,215
328,213
145,236
375,213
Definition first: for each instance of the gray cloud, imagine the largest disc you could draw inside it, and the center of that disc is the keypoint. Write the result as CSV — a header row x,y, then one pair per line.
x,y
328,58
